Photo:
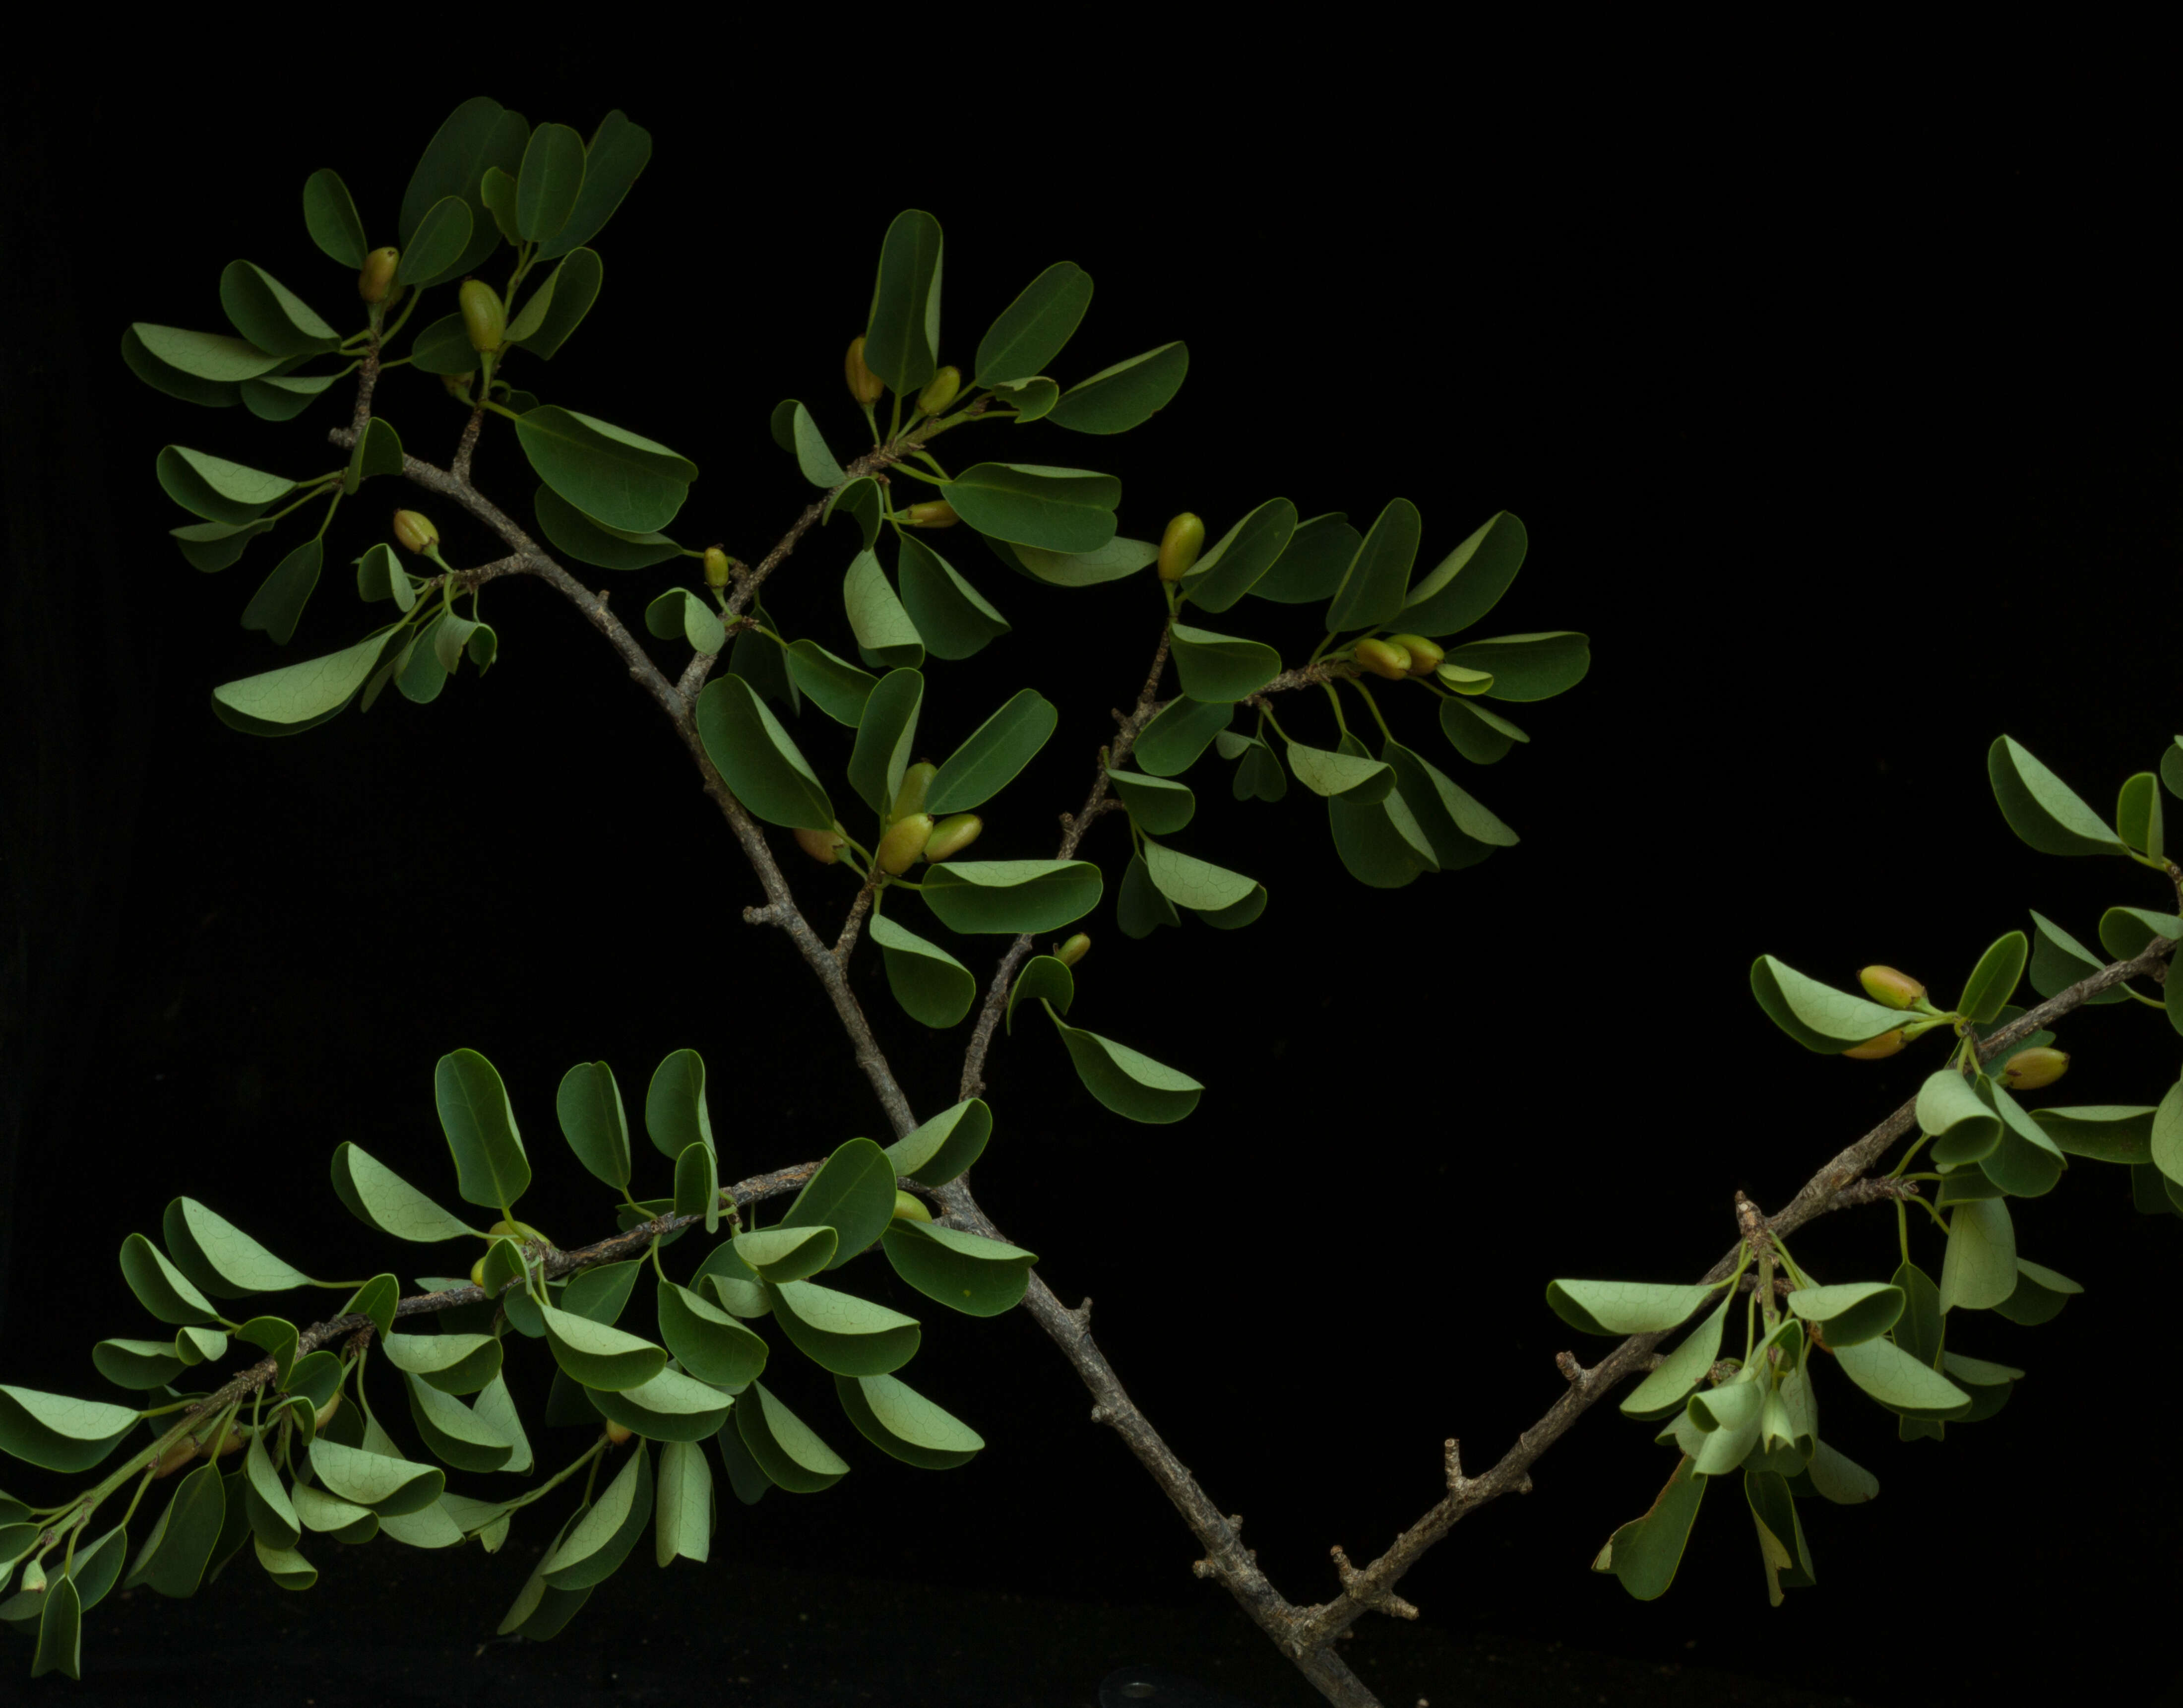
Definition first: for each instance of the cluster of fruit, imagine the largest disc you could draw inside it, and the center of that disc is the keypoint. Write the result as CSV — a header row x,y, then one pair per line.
x,y
2028,1070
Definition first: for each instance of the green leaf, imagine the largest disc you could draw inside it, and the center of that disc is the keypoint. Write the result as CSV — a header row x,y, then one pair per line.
x,y
674,1113
381,1198
1993,981
598,1354
885,736
708,1342
757,759
270,315
1181,730
902,335
296,697
1625,1307
683,1514
550,182
934,988
2165,1150
1155,804
211,547
900,1422
943,1147
1140,909
2059,960
558,307
455,1435
680,612
1009,897
964,1272
1480,736
1131,1084
60,1623
207,369
1645,1552
618,477
671,1407
951,617
2138,820
330,214
786,1253
1818,1016
1670,1381
885,634
2108,1132
993,754
137,1363
2038,1297
588,1105
1066,510
1130,393
1963,1128
173,1560
617,154
1117,560
1852,1313
540,1610
842,1333
1259,776
1318,556
1240,560
220,1257
852,1194
392,1487
812,457
477,136
1221,667
452,1363
1786,1560
376,1299
1468,582
1044,979
216,489
1371,592
2171,767
1196,884
2027,1163
858,500
1527,667
449,231
1033,330
443,348
590,1554
379,452
58,1432
497,190
1460,830
491,1167
1898,1380
836,686
1355,778
2040,808
784,1446
160,1288
697,1185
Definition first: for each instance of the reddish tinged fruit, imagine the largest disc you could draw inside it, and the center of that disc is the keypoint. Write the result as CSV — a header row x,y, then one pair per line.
x,y
2029,1070
823,846
1880,1048
865,386
619,1432
1885,984
414,530
1384,659
1180,545
903,845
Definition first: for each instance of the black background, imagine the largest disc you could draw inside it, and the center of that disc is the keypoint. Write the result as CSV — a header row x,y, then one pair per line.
x,y
1849,456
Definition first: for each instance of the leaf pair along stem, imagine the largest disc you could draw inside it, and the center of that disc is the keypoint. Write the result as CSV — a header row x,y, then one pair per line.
x,y
1306,1635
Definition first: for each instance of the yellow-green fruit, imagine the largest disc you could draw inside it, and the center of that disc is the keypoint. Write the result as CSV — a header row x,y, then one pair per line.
x,y
34,1578
619,1432
910,1207
520,1230
865,386
1425,656
1880,1048
377,278
327,1410
2028,1070
1885,984
716,568
1384,659
940,391
904,842
1180,545
823,846
484,317
910,797
477,1273
932,513
951,836
1074,950
414,530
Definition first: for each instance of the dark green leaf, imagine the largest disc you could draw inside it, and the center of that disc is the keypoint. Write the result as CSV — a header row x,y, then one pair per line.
x,y
674,1113
270,314
1468,582
2107,1132
1480,736
490,1164
697,1185
1116,560
1065,510
671,1407
1183,729
216,489
951,616
812,457
757,758
944,1146
1993,981
902,337
1527,667
478,134
1032,330
279,604
58,1432
885,634
1140,909
842,1333
330,214
1371,592
589,1106
2059,960
934,988
559,306
1645,1552
616,477
710,1343
590,541
836,686
992,755
885,736
590,1554
551,181
852,1194
160,1288
1155,804
1130,393
783,1445
436,252
1009,897
963,1272
617,153
1043,978
2042,809
1131,1084
2138,820
598,1354
1242,557
1221,667
1818,1016
381,1198
1311,567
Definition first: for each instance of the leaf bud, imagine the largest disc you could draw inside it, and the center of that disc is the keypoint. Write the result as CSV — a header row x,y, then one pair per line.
x,y
377,278
319,1418
1885,984
823,846
1074,950
910,1207
414,530
34,1578
1879,1048
716,568
932,513
458,385
174,1458
865,386
2029,1070
618,1433
940,391
910,797
951,836
1384,659
484,317
1180,545
1425,656
904,842
477,1273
